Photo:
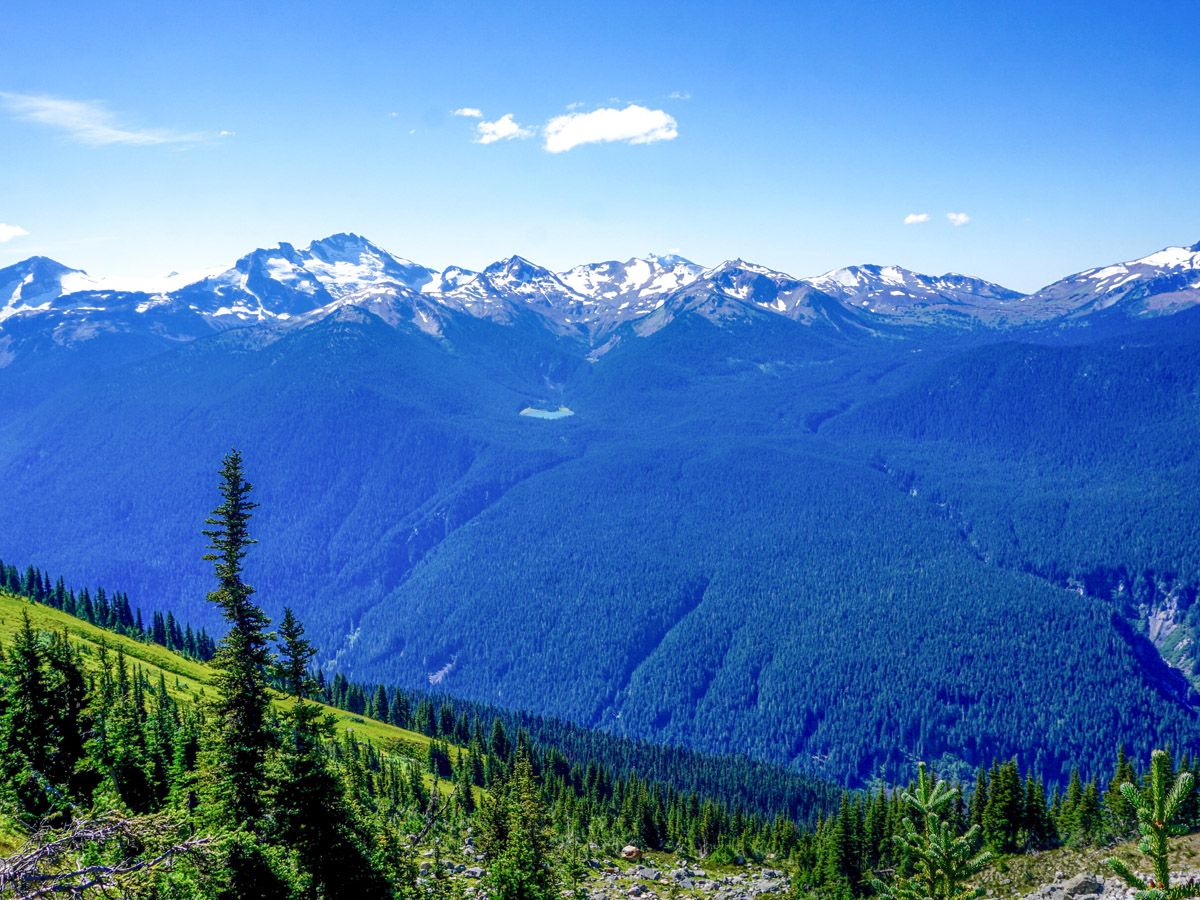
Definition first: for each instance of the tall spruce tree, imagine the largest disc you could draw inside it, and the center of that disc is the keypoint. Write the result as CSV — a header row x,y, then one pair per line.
x,y
242,659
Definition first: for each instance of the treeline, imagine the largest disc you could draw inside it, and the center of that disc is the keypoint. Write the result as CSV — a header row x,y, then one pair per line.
x,y
759,788
109,611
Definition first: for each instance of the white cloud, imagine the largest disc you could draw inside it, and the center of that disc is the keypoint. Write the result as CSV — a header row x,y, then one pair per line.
x,y
634,125
468,112
85,122
679,95
504,128
225,133
958,218
8,232
916,218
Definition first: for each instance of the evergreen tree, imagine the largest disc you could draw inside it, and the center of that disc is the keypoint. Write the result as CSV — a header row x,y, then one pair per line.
x,y
1158,809
399,713
242,658
1004,812
943,862
379,704
1120,814
1039,827
29,741
517,842
309,810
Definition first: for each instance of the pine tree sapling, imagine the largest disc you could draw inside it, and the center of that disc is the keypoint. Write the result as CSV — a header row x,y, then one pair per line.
x,y
943,862
1158,814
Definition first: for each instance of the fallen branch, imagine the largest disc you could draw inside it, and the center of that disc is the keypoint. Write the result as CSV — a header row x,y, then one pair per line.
x,y
50,864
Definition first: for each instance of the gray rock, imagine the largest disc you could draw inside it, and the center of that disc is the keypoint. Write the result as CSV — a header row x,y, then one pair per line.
x,y
473,872
1083,886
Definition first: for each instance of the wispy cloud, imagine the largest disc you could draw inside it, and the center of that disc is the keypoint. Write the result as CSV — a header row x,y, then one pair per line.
x,y
679,95
958,218
504,128
87,122
468,112
8,232
916,218
632,125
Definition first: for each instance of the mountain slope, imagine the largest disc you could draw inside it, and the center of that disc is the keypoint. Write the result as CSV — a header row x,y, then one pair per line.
x,y
186,679
894,292
1162,283
745,488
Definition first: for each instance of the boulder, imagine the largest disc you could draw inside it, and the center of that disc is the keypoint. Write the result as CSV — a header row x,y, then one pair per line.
x,y
630,852
1082,886
473,872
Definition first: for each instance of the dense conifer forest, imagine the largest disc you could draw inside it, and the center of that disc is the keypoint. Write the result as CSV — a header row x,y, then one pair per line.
x,y
115,778
737,515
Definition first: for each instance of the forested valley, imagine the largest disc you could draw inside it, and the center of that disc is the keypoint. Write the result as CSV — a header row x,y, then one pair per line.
x,y
150,762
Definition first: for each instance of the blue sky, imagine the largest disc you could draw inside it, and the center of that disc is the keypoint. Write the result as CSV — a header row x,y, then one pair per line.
x,y
139,138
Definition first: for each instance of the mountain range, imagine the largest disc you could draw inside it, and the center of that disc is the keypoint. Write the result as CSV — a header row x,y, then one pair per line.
x,y
832,522
286,284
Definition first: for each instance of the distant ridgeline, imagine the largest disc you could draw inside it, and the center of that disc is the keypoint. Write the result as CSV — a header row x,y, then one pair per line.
x,y
112,612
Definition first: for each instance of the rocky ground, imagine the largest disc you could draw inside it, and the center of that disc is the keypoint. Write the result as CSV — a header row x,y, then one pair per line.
x,y
645,877
1086,887
646,882
661,876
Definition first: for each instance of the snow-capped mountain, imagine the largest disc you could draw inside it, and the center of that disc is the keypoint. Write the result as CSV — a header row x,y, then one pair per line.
x,y
738,290
1164,282
897,292
347,263
33,285
448,279
285,281
507,287
287,285
617,283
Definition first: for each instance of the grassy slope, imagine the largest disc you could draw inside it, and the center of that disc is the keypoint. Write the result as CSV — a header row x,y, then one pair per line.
x,y
187,681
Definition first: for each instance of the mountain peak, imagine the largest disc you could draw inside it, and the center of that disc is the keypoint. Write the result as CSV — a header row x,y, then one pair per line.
x,y
517,268
342,244
34,283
